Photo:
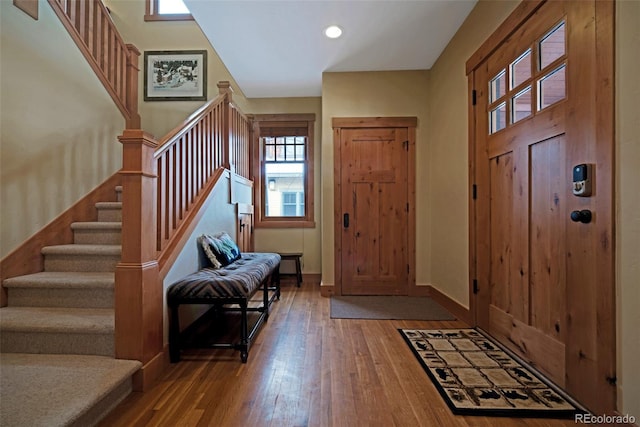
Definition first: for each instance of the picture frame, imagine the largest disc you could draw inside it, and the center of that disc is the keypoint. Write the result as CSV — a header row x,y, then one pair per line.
x,y
175,75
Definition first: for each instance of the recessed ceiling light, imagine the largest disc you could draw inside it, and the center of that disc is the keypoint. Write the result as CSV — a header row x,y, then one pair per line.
x,y
333,31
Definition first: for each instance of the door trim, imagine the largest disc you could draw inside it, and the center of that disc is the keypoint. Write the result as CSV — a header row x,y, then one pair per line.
x,y
410,123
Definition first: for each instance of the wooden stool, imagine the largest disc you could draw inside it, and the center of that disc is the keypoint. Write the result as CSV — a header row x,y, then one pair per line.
x,y
294,256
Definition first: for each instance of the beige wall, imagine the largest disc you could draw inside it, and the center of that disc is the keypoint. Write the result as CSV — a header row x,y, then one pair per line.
x,y
628,205
159,117
372,94
59,127
448,100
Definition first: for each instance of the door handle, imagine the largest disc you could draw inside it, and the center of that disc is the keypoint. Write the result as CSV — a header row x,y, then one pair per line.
x,y
583,216
345,220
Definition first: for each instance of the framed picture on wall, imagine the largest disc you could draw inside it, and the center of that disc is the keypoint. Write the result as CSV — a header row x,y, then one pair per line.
x,y
175,75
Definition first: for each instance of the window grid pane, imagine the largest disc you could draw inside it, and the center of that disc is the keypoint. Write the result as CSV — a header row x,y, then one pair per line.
x,y
497,86
521,105
520,69
552,46
284,148
552,88
498,118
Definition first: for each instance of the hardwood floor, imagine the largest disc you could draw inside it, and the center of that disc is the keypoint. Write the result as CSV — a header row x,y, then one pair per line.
x,y
304,369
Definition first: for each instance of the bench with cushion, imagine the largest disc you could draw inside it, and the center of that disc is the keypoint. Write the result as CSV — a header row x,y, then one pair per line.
x,y
228,284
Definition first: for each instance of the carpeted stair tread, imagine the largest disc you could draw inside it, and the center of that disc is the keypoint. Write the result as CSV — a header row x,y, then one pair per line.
x,y
109,205
101,225
75,249
61,280
109,211
77,390
57,319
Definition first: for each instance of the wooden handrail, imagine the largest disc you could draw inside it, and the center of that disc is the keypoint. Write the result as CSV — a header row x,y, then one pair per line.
x,y
114,62
215,136
186,160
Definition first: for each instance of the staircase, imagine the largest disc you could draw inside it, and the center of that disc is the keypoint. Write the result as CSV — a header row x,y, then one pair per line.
x,y
57,364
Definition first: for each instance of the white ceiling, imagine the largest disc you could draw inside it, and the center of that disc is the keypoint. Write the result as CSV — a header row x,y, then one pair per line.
x,y
278,49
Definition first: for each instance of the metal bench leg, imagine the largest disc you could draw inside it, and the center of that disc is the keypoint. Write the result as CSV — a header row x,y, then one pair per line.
x,y
265,297
174,334
275,280
244,333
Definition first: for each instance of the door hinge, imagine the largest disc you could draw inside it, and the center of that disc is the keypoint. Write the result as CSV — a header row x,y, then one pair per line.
x,y
475,286
474,191
612,380
407,268
407,207
405,145
473,97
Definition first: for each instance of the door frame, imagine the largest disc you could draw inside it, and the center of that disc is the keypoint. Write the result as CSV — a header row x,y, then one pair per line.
x,y
605,151
410,123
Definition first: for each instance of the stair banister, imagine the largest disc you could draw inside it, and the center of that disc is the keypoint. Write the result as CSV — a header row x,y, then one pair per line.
x,y
165,185
114,62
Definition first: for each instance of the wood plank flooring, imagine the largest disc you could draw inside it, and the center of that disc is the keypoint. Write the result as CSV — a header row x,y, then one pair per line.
x,y
305,369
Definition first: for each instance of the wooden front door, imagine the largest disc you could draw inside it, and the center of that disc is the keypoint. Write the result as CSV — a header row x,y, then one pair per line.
x,y
373,207
545,284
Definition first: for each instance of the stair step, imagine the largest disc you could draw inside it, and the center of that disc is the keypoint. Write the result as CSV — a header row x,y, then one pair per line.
x,y
109,211
97,233
95,258
61,289
78,390
57,330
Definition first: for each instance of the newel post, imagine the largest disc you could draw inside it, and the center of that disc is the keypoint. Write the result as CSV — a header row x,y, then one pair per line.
x,y
138,290
224,88
133,121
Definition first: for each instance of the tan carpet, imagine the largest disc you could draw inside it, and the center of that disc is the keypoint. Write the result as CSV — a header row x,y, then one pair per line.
x,y
54,390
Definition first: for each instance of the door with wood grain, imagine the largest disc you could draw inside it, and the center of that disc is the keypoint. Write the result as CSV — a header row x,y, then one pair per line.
x,y
374,209
543,271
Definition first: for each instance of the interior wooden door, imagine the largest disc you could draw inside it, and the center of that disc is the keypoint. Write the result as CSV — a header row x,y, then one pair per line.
x,y
374,206
545,285
244,231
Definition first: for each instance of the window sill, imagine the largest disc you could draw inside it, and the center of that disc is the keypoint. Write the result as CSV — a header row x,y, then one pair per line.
x,y
285,224
173,17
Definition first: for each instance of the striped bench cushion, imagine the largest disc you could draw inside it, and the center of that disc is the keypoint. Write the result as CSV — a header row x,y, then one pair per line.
x,y
239,279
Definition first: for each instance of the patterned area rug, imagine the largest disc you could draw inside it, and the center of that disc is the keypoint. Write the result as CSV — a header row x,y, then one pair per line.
x,y
475,376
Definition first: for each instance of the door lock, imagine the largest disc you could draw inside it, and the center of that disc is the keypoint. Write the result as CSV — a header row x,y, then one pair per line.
x,y
582,178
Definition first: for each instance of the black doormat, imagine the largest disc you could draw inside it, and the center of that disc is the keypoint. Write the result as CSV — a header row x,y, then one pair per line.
x,y
475,376
387,307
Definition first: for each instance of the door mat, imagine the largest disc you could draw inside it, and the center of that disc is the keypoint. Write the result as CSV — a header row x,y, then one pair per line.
x,y
475,376
387,307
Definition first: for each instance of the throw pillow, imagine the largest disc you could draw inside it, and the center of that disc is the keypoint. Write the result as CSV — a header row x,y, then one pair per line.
x,y
227,251
207,243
